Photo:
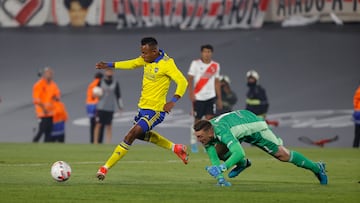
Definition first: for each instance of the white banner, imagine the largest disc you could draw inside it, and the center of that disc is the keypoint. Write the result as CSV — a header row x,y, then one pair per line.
x,y
184,14
15,13
191,14
345,10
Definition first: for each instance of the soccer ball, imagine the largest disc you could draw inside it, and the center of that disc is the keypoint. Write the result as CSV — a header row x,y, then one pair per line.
x,y
97,91
60,171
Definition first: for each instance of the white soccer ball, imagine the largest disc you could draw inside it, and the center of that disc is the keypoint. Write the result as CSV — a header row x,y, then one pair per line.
x,y
60,171
97,91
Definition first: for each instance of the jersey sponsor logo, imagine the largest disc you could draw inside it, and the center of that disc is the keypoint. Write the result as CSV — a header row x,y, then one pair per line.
x,y
179,118
149,75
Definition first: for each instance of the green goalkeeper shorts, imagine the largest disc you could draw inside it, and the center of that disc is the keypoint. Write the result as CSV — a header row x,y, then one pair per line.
x,y
266,140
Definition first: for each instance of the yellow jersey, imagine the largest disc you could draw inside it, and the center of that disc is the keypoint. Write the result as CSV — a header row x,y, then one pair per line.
x,y
156,80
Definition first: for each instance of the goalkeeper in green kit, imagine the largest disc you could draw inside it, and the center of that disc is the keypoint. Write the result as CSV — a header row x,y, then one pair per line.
x,y
223,134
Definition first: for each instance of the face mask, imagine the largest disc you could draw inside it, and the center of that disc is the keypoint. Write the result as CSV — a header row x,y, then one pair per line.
x,y
251,84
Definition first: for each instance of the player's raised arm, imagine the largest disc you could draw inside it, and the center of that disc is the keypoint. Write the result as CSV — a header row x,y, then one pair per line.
x,y
126,64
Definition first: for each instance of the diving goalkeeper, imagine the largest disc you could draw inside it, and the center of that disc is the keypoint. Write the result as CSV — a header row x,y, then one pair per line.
x,y
223,134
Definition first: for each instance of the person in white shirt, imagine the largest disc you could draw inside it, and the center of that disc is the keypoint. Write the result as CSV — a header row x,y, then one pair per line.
x,y
204,88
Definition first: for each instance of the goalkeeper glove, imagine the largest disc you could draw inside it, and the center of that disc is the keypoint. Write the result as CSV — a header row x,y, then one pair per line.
x,y
215,171
223,183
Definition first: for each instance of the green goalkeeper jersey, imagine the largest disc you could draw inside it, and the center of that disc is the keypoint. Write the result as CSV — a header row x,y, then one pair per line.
x,y
230,129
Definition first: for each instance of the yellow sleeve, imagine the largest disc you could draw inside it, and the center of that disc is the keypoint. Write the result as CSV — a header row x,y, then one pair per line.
x,y
130,64
176,75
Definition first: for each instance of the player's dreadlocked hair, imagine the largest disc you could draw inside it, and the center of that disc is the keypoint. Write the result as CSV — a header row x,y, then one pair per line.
x,y
202,125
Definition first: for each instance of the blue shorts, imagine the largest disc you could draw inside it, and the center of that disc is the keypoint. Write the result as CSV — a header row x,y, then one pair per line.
x,y
91,110
58,129
147,119
356,117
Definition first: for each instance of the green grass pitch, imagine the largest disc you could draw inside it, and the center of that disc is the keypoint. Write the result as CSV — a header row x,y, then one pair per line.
x,y
151,174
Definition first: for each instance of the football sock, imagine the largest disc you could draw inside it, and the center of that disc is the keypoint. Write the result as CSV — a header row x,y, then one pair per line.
x,y
159,140
301,161
118,153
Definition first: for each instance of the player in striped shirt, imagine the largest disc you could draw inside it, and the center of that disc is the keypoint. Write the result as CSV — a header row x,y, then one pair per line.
x,y
223,134
204,88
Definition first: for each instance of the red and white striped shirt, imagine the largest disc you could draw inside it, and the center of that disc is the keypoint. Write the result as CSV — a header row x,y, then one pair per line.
x,y
204,78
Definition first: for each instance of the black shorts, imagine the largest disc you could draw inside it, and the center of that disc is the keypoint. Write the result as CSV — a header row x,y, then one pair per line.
x,y
202,108
104,117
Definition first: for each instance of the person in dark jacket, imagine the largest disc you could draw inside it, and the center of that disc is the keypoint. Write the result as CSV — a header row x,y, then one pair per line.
x,y
256,99
228,96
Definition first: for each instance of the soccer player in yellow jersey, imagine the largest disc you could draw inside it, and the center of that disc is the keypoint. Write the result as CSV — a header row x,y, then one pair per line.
x,y
159,70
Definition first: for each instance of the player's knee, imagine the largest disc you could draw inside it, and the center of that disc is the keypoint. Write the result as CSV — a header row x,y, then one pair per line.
x,y
283,154
134,133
